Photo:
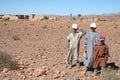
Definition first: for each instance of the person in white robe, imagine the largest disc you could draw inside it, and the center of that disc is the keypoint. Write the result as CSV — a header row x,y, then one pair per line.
x,y
92,38
73,41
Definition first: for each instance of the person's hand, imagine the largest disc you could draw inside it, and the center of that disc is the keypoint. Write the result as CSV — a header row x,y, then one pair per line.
x,y
85,55
83,31
68,49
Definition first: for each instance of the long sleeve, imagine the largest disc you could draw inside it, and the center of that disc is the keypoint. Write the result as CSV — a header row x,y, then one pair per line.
x,y
68,43
85,45
107,52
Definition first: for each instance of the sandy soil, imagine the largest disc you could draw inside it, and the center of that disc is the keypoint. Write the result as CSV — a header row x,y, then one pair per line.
x,y
42,44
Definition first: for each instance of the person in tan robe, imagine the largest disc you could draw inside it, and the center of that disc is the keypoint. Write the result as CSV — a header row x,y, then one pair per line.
x,y
73,40
100,55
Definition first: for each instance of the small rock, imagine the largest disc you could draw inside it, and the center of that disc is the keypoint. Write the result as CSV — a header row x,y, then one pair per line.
x,y
82,73
30,58
57,72
96,77
63,73
5,70
21,67
55,76
53,65
44,57
18,57
39,72
44,67
76,70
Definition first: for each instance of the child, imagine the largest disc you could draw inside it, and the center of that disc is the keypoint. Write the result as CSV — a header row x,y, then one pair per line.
x,y
100,55
73,40
91,39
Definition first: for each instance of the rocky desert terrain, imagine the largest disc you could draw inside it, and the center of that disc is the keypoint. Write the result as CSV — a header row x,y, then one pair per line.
x,y
40,49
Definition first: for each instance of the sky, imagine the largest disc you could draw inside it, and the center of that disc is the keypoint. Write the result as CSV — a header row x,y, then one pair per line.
x,y
59,7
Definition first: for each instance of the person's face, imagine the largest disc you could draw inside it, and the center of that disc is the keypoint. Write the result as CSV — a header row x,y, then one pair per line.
x,y
102,42
74,30
92,29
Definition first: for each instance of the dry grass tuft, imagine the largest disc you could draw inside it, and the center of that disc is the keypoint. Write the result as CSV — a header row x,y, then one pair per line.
x,y
45,27
110,74
6,61
15,37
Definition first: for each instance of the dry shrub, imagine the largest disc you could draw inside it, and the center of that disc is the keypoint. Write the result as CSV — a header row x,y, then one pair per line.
x,y
32,24
5,24
44,27
110,74
15,37
60,26
68,26
5,19
7,61
115,27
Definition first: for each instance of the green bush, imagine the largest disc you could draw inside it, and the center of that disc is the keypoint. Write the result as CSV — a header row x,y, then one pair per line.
x,y
6,61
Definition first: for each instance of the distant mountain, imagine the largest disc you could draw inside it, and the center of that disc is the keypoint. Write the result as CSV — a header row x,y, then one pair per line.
x,y
111,14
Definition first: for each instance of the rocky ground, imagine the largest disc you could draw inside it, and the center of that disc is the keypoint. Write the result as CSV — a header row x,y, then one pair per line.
x,y
41,52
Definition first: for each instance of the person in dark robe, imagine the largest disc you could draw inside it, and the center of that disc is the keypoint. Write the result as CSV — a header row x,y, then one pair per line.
x,y
100,55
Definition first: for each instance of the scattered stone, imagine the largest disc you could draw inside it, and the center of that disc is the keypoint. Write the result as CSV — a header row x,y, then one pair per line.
x,y
39,72
82,73
63,73
57,72
56,76
21,67
96,77
22,71
18,57
30,71
76,70
62,62
30,58
53,65
44,67
5,70
44,57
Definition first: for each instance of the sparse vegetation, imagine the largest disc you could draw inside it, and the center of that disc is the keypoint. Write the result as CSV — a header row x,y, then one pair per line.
x,y
46,18
71,16
44,27
5,24
110,74
68,26
74,18
15,37
52,28
5,19
115,27
34,42
79,15
32,24
60,26
118,42
6,61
